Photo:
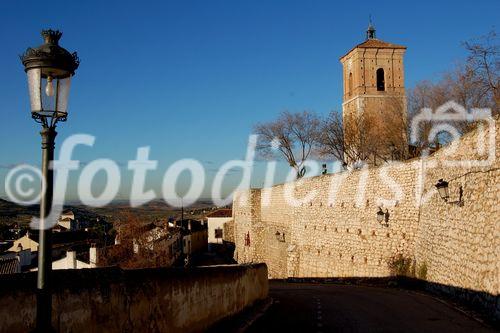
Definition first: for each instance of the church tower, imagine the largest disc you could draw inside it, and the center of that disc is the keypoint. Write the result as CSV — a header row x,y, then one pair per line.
x,y
374,102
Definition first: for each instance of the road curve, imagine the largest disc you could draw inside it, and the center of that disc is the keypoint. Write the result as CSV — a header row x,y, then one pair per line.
x,y
303,307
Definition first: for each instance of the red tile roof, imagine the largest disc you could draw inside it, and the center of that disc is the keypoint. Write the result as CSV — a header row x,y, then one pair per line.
x,y
375,43
226,212
9,266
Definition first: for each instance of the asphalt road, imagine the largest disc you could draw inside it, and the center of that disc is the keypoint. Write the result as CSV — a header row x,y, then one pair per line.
x,y
302,307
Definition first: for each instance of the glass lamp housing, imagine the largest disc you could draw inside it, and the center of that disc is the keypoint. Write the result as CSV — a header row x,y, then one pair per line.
x,y
48,95
442,187
380,216
49,69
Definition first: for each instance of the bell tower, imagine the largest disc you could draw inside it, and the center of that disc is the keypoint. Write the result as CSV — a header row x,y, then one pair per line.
x,y
374,102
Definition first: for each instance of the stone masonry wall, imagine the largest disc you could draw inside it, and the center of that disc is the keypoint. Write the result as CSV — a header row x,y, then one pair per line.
x,y
228,231
143,300
335,233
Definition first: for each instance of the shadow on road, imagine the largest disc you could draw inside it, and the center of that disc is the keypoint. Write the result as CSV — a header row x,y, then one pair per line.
x,y
320,307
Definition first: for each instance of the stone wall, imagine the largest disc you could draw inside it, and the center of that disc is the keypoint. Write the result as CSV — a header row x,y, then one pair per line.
x,y
331,230
228,232
145,300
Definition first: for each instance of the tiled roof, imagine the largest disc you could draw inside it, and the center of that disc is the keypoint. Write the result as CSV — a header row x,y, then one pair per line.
x,y
196,225
9,266
59,227
375,43
226,212
64,236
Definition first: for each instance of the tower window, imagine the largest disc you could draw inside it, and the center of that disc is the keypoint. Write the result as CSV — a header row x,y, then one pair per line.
x,y
350,84
380,80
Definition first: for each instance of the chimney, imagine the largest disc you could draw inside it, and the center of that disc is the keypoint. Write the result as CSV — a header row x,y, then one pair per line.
x,y
93,257
189,225
70,259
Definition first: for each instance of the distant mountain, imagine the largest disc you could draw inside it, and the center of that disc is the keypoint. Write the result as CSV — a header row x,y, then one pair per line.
x,y
11,212
152,211
8,206
160,203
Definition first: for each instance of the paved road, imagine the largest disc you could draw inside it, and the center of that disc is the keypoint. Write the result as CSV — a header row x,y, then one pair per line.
x,y
315,308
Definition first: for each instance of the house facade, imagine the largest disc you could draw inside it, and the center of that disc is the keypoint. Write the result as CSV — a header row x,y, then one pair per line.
x,y
215,221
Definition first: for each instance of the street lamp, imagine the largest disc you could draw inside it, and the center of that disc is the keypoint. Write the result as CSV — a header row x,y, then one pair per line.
x,y
442,187
49,69
444,192
383,218
380,215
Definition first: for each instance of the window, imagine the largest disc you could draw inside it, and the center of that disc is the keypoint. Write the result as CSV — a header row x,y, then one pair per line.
x,y
218,233
350,84
380,80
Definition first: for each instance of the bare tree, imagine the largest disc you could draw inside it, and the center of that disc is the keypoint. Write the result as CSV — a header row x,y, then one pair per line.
x,y
342,139
293,135
385,131
473,83
484,61
426,94
331,141
133,232
376,136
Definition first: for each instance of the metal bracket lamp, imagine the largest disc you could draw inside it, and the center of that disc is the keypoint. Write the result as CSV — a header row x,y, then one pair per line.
x,y
444,192
383,217
280,237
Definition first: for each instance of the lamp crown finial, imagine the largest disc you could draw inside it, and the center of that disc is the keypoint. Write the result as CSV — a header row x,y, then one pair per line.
x,y
51,36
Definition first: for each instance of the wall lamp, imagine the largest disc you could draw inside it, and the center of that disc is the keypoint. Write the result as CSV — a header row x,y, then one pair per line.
x,y
383,217
444,193
280,236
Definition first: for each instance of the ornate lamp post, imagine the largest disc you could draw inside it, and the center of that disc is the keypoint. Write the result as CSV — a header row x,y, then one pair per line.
x,y
49,68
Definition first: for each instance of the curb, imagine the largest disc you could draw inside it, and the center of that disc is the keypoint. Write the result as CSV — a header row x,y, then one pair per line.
x,y
242,321
260,311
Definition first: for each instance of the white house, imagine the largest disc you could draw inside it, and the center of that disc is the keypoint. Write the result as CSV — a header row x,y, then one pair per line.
x,y
67,220
24,243
216,220
70,262
160,239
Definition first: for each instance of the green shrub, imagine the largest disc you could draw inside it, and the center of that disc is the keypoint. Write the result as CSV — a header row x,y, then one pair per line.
x,y
422,271
401,266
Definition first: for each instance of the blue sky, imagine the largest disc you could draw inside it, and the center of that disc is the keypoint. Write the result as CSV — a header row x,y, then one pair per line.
x,y
191,78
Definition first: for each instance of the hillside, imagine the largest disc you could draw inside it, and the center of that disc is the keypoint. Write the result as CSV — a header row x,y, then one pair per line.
x,y
156,210
11,212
